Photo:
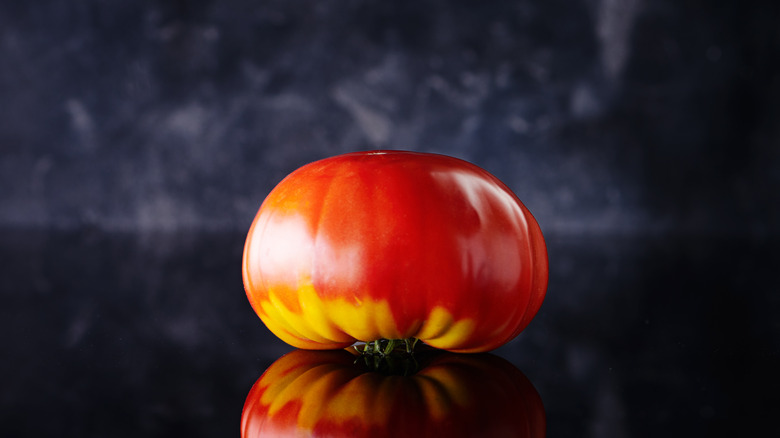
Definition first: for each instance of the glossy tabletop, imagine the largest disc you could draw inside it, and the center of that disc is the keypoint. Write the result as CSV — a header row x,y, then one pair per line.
x,y
129,334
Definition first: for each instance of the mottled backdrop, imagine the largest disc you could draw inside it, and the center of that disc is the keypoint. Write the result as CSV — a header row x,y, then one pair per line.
x,y
604,116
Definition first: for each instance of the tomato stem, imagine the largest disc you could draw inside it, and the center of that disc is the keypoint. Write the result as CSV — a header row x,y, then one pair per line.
x,y
385,347
390,346
389,356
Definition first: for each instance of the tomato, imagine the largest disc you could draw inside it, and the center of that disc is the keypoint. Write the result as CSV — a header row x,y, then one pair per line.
x,y
326,393
393,245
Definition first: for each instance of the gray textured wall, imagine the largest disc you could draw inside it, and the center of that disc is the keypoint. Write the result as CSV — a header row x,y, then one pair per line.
x,y
602,115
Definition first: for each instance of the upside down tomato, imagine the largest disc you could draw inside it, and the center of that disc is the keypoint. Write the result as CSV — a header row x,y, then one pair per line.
x,y
392,244
325,393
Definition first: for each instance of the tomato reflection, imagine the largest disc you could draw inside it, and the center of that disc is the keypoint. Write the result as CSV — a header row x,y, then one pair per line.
x,y
335,393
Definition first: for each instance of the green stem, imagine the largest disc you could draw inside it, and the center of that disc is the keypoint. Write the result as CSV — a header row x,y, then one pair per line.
x,y
390,346
390,356
385,347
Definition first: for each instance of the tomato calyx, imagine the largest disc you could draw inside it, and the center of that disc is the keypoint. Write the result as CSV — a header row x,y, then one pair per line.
x,y
389,356
384,347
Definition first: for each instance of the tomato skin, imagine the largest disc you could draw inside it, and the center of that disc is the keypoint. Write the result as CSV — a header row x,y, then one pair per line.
x,y
326,393
392,244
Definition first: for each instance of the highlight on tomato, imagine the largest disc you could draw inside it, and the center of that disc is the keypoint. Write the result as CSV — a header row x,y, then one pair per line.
x,y
330,393
380,245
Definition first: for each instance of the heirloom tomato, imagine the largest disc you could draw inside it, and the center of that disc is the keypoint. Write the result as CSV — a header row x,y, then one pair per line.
x,y
327,393
394,245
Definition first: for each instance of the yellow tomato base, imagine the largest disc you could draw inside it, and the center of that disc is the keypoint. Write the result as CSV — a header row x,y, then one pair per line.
x,y
331,324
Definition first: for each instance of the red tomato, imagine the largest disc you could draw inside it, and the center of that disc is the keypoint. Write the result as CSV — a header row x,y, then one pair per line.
x,y
392,245
325,393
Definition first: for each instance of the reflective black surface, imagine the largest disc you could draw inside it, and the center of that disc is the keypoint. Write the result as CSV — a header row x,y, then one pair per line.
x,y
129,334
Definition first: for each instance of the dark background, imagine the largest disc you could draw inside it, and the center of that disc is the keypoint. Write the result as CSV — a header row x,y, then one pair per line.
x,y
138,139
